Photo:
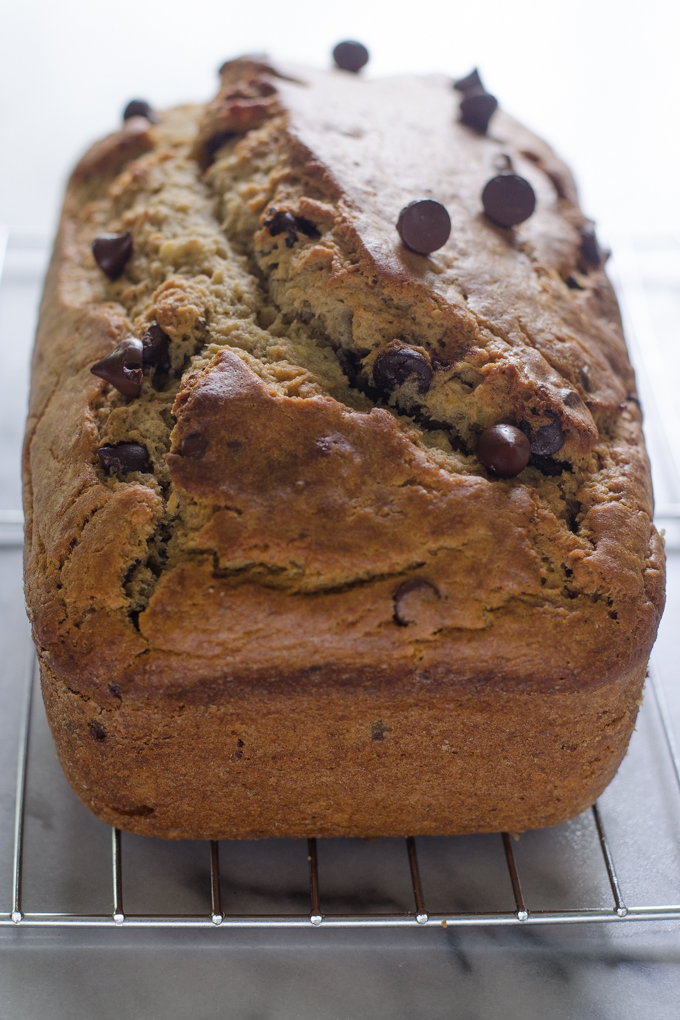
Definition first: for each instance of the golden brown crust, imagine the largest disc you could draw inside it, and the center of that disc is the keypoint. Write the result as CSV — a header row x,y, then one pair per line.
x,y
337,563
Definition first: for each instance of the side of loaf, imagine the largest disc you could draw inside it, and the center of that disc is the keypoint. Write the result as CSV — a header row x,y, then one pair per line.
x,y
310,609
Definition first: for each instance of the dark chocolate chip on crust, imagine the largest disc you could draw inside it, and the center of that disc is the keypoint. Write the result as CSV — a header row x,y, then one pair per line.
x,y
572,399
504,450
156,351
139,108
123,367
508,199
397,363
477,109
111,253
350,55
194,446
424,226
120,458
589,248
470,83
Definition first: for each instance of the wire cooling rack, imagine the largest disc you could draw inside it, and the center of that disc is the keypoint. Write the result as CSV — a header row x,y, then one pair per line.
x,y
421,914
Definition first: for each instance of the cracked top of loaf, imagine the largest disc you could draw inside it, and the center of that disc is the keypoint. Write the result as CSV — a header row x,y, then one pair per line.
x,y
322,526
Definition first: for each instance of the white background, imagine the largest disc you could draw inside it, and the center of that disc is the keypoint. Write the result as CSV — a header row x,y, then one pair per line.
x,y
600,79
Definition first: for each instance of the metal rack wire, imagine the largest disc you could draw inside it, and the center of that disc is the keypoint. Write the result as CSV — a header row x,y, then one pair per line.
x,y
420,916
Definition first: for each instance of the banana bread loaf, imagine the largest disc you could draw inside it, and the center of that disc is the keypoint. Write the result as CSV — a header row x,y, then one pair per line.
x,y
337,522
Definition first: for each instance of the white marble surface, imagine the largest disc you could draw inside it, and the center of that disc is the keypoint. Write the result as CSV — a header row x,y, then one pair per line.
x,y
608,972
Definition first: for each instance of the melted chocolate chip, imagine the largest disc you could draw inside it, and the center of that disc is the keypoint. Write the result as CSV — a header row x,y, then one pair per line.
x,y
194,446
425,589
119,458
424,226
97,731
470,83
397,363
378,730
573,284
218,140
508,200
350,56
283,222
139,108
156,351
307,227
546,440
590,249
111,253
123,367
477,109
548,465
504,450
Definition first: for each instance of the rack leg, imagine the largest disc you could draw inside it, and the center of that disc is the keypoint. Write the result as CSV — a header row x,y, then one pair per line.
x,y
20,798
315,915
117,865
216,893
619,905
522,912
421,913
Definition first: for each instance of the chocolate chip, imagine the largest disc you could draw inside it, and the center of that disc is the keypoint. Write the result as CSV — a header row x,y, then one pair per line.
x,y
378,730
156,351
97,731
282,222
350,56
546,440
548,465
139,108
424,226
590,249
426,590
123,367
573,284
397,363
218,140
194,446
115,690
476,110
307,227
504,450
508,200
470,83
572,399
119,458
586,380
111,252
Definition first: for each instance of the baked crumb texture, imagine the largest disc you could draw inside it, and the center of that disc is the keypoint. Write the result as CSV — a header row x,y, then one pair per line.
x,y
335,621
